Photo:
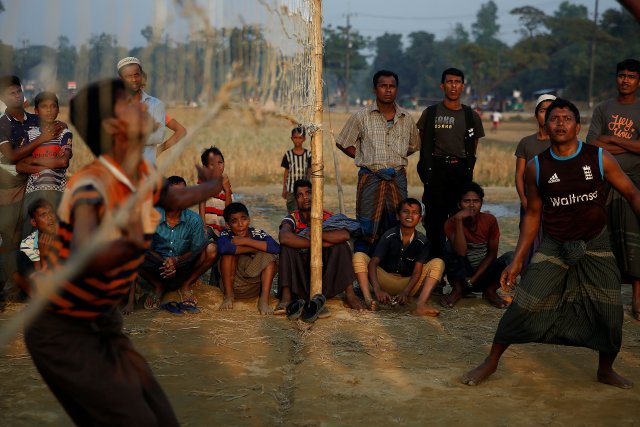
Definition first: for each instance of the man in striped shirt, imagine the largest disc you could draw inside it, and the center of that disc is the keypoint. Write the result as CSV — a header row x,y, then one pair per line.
x,y
77,343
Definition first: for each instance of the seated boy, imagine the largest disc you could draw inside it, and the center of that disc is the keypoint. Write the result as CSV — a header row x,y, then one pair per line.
x,y
77,344
471,250
248,260
399,267
179,254
34,247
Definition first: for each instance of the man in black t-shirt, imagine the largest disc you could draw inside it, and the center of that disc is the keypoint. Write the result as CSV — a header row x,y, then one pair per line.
x,y
447,155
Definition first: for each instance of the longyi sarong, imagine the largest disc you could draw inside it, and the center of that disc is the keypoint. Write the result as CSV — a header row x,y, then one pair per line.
x,y
569,296
377,197
624,224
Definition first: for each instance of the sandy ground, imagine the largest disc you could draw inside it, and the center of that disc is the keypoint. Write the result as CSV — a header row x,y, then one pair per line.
x,y
352,369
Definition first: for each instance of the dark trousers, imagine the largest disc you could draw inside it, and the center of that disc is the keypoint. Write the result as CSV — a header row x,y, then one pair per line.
x,y
95,373
440,197
294,270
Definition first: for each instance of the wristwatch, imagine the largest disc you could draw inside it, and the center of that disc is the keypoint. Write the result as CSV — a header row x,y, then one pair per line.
x,y
469,284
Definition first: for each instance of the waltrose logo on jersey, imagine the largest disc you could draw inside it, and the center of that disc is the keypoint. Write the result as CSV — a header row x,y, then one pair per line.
x,y
554,178
573,198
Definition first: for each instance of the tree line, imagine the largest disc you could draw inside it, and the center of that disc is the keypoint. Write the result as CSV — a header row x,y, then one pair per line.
x,y
553,51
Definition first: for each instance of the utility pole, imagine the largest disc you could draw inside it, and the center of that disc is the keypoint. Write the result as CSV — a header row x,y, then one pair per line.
x,y
593,56
347,60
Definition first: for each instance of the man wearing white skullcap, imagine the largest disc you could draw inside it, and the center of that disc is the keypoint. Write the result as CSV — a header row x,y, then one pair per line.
x,y
130,71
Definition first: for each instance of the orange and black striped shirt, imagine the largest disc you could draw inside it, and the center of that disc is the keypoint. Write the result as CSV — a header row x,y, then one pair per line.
x,y
104,185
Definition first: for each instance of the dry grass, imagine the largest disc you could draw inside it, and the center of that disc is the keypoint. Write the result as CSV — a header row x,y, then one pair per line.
x,y
253,150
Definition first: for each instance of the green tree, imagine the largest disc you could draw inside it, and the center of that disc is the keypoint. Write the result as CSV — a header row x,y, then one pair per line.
x,y
66,58
340,43
531,19
486,27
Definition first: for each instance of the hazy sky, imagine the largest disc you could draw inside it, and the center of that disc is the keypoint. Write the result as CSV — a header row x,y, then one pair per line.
x,y
41,21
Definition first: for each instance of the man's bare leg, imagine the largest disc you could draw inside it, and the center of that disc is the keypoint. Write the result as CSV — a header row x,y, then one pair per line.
x,y
363,281
228,267
422,309
635,298
158,290
607,375
486,368
351,300
128,309
266,279
491,295
202,264
455,295
285,298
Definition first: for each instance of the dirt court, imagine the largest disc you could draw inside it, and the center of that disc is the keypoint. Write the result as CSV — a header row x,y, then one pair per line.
x,y
352,369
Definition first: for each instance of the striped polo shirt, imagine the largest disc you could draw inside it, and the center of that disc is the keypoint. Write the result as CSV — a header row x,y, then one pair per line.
x,y
49,179
104,185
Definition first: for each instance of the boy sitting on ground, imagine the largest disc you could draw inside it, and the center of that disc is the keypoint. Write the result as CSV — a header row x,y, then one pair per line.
x,y
399,267
471,251
248,260
34,247
179,254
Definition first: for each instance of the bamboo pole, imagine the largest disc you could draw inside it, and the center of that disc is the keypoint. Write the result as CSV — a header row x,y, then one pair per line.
x,y
317,162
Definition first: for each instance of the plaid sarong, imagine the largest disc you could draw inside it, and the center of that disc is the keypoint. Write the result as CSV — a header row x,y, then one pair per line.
x,y
569,296
377,197
624,226
247,281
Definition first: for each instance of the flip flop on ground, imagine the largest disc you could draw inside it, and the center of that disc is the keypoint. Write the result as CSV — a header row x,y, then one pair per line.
x,y
173,308
312,310
294,309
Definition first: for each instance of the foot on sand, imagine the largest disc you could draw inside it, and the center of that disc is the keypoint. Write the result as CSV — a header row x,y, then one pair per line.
x,y
494,299
635,312
263,306
227,304
353,302
479,374
614,379
425,310
450,300
281,307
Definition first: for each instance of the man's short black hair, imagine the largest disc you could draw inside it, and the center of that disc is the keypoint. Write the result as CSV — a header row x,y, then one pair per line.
x,y
9,80
301,183
91,105
629,64
205,155
37,204
408,201
385,73
175,180
562,103
234,208
452,72
298,130
472,186
45,96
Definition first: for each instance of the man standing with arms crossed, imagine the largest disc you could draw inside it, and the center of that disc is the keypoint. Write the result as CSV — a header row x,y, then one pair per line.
x,y
449,132
379,137
615,126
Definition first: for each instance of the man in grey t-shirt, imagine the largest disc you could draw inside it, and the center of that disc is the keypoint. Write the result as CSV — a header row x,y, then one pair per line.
x,y
615,126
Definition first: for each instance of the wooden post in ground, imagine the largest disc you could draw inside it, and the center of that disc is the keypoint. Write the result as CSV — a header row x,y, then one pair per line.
x,y
317,161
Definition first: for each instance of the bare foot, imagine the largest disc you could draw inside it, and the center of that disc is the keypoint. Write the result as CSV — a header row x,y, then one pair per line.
x,y
479,374
353,302
424,310
613,378
263,306
635,312
281,307
494,299
450,300
227,304
128,309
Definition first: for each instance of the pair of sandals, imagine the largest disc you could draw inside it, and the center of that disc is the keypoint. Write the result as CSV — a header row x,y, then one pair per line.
x,y
180,308
307,312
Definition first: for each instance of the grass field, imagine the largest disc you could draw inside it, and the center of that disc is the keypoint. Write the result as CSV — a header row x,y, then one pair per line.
x,y
253,150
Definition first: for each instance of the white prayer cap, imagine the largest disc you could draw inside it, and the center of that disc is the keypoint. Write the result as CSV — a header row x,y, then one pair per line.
x,y
129,60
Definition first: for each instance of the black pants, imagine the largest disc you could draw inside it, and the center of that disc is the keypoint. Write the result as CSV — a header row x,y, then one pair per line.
x,y
95,373
441,195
